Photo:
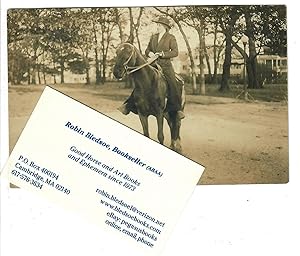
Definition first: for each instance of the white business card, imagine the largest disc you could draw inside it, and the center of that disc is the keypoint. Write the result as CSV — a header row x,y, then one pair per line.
x,y
133,188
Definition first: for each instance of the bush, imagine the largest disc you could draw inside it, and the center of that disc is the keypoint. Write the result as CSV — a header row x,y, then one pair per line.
x,y
266,75
279,79
187,78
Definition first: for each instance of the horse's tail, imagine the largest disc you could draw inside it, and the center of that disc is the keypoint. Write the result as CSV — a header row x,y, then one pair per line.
x,y
182,97
179,79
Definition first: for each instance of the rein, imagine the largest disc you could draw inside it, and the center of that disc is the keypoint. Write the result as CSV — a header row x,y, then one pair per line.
x,y
134,69
130,70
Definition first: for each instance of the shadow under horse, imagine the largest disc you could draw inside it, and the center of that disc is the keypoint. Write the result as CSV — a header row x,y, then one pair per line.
x,y
149,93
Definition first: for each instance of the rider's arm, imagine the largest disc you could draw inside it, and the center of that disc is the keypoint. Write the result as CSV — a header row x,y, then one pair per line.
x,y
149,48
173,51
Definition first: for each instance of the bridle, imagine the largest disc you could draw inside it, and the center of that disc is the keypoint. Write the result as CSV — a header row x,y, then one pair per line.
x,y
130,70
125,64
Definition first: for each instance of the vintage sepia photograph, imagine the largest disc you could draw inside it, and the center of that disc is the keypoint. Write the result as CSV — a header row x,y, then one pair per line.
x,y
209,82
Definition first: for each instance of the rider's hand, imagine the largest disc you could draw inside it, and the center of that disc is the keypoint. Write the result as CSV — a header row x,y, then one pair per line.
x,y
151,54
159,54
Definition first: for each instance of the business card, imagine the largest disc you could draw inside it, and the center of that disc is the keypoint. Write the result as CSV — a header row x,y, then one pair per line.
x,y
132,187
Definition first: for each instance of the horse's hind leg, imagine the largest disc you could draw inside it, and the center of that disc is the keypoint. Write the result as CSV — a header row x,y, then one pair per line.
x,y
144,122
174,124
177,141
160,127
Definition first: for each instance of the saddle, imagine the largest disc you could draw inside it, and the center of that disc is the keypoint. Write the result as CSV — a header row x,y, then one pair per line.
x,y
157,66
179,79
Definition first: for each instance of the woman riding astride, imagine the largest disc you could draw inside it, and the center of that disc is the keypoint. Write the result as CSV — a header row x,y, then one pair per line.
x,y
164,45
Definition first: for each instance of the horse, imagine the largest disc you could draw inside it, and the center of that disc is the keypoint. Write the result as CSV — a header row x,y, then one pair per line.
x,y
149,93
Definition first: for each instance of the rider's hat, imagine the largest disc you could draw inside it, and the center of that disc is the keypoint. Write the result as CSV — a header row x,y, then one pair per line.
x,y
163,20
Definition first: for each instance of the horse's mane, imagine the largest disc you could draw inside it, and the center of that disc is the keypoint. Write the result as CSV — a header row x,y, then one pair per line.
x,y
139,54
141,57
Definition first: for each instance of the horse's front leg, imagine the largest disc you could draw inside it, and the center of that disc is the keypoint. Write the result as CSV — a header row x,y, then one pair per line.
x,y
144,122
160,128
174,124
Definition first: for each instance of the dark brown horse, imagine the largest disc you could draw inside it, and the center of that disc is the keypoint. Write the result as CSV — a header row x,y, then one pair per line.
x,y
150,92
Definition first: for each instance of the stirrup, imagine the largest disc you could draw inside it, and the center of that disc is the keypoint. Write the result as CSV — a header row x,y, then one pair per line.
x,y
180,114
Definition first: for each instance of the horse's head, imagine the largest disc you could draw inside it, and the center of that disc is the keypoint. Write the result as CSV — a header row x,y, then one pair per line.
x,y
126,56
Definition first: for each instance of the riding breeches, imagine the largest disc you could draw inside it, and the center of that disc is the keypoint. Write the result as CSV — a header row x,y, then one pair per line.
x,y
174,90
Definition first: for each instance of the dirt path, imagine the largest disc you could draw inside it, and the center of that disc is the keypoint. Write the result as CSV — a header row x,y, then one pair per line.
x,y
239,143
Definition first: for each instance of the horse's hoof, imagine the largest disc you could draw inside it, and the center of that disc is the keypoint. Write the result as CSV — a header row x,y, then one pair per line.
x,y
176,146
178,150
123,109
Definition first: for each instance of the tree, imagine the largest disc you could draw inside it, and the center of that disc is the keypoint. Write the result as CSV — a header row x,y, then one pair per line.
x,y
26,32
78,64
83,20
134,26
274,28
197,16
227,17
215,33
16,25
264,26
250,59
106,23
61,34
17,70
31,46
121,22
95,34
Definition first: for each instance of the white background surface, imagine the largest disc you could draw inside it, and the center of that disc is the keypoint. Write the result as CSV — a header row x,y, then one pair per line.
x,y
218,220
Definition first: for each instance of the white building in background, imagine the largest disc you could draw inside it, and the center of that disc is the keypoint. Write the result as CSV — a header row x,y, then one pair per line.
x,y
276,63
71,78
182,62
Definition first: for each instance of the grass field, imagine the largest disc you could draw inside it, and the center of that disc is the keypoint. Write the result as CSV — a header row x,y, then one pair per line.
x,y
117,91
270,92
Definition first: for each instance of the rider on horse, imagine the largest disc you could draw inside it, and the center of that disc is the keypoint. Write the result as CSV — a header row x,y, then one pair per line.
x,y
164,45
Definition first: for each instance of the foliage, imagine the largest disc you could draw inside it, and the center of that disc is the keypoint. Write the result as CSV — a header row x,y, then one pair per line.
x,y
270,27
54,40
17,70
269,93
78,64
